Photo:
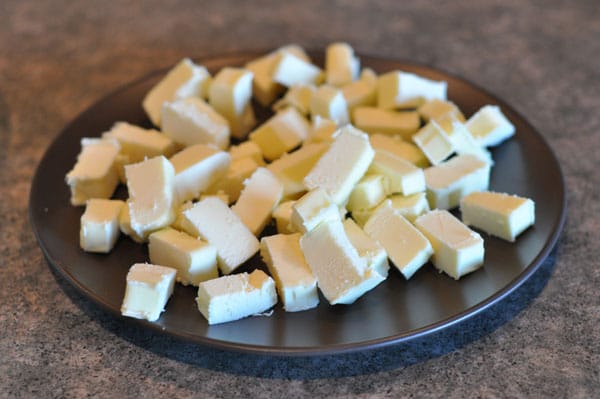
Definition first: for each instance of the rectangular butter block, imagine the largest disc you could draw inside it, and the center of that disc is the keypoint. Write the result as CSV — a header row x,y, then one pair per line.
x,y
383,121
283,217
125,225
342,165
402,176
407,248
361,92
342,275
367,248
436,108
400,148
489,126
184,80
499,214
398,89
192,121
213,221
261,194
281,133
95,173
148,290
196,169
234,297
311,209
462,140
298,97
232,184
434,142
195,260
290,70
151,187
368,192
100,225
341,65
450,181
247,149
296,284
329,102
457,250
410,206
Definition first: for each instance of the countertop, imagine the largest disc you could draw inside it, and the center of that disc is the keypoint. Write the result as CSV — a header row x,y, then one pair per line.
x,y
543,57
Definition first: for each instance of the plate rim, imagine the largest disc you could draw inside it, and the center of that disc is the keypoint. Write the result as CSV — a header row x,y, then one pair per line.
x,y
331,349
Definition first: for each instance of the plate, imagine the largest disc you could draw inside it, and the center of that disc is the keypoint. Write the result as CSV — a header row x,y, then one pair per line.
x,y
396,311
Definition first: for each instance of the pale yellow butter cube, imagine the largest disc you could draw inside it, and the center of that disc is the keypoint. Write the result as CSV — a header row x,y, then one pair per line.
x,y
283,132
296,284
192,121
329,102
434,142
436,108
406,246
184,80
195,260
489,126
342,165
499,214
399,148
196,169
229,95
233,182
376,120
368,192
180,222
361,92
398,89
342,274
341,65
148,290
298,97
311,209
410,206
100,225
212,220
402,176
151,187
261,194
125,224
234,297
290,70
462,140
457,250
367,248
360,216
448,182
283,217
247,149
95,174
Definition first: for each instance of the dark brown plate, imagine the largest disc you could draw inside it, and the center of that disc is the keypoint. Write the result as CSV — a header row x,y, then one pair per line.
x,y
394,312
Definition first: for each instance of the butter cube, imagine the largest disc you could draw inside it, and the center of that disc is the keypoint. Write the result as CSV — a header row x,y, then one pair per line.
x,y
367,248
376,120
448,182
192,121
499,214
292,168
323,130
229,95
151,187
195,260
361,92
290,70
410,206
125,224
233,182
399,89
283,217
148,290
283,132
247,149
234,297
329,102
462,140
196,169
489,126
213,221
436,108
180,223
342,165
368,192
100,225
95,173
184,80
342,274
402,176
311,209
260,196
360,216
406,246
434,142
341,65
399,148
296,284
457,250
298,97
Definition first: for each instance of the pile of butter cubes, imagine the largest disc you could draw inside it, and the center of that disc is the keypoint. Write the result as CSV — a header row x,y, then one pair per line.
x,y
355,170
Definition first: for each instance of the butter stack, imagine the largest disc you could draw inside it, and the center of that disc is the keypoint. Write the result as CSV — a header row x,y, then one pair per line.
x,y
357,170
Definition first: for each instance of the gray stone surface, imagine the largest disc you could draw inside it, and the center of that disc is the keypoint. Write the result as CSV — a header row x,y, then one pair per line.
x,y
542,57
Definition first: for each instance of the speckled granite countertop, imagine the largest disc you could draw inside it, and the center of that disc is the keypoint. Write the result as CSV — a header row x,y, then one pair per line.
x,y
542,57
